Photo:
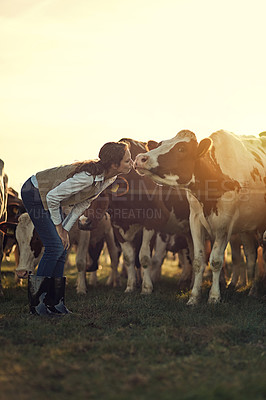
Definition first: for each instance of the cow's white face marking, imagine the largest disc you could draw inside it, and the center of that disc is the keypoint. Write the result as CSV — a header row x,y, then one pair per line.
x,y
24,234
170,180
165,147
150,163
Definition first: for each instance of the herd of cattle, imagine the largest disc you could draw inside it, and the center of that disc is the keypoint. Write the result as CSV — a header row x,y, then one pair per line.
x,y
182,196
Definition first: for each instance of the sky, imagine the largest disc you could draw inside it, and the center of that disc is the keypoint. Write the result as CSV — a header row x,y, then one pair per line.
x,y
77,74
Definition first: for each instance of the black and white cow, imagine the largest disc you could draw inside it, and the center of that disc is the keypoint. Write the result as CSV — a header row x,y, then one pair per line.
x,y
142,210
226,180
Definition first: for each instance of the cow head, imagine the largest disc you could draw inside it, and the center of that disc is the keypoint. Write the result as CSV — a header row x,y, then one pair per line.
x,y
30,245
172,162
14,209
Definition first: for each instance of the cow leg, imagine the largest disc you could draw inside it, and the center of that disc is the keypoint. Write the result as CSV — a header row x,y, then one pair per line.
x,y
18,280
93,255
216,264
81,257
1,257
91,269
114,253
261,272
145,261
186,275
250,246
129,261
158,258
199,262
67,262
243,273
93,278
238,264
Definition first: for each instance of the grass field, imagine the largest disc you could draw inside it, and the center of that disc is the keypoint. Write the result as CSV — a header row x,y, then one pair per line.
x,y
127,346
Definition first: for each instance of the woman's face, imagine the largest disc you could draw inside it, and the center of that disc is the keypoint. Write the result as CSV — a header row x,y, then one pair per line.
x,y
125,164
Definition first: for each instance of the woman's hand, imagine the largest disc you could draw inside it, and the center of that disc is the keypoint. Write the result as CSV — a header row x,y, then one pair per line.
x,y
63,234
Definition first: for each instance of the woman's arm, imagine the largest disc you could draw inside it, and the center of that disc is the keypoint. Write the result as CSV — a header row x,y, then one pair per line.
x,y
67,188
74,214
63,234
79,208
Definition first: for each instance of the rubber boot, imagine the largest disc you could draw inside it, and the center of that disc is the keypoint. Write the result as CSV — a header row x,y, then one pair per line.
x,y
56,299
38,288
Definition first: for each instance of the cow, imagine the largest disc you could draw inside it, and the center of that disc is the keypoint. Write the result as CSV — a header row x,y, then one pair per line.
x,y
142,209
225,179
3,213
98,236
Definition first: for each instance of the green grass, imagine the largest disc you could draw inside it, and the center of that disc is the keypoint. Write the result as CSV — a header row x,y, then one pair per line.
x,y
126,346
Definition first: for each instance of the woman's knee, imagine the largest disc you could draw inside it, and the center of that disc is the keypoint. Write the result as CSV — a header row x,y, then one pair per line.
x,y
56,249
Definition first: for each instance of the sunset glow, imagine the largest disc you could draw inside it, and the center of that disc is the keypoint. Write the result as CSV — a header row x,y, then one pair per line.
x,y
76,74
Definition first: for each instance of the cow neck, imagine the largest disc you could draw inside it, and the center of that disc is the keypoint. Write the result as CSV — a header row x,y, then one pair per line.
x,y
210,183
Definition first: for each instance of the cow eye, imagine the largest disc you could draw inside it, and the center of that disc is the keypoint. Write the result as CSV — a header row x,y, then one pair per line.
x,y
181,149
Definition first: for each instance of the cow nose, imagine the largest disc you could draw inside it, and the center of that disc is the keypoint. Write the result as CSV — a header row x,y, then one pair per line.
x,y
140,160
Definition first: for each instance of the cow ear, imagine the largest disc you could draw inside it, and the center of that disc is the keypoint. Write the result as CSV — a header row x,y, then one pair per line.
x,y
152,144
203,147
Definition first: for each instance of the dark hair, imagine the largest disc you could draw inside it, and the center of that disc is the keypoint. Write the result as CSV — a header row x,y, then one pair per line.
x,y
110,153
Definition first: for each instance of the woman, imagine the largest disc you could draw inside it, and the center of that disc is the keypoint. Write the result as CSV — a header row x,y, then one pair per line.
x,y
43,196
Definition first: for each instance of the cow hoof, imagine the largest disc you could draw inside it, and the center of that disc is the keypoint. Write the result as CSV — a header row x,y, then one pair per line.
x,y
81,291
146,291
109,281
193,301
113,282
214,300
129,290
253,292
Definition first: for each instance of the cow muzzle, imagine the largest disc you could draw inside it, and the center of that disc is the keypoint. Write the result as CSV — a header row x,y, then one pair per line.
x,y
85,224
141,164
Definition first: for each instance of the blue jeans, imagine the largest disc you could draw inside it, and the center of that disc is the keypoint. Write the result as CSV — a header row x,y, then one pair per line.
x,y
53,260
